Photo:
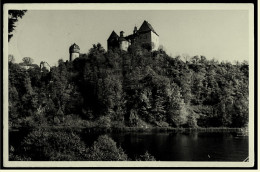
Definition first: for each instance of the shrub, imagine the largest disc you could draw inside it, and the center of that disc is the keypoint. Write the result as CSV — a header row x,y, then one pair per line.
x,y
105,149
104,122
161,124
192,121
146,157
14,157
50,145
74,121
28,122
118,124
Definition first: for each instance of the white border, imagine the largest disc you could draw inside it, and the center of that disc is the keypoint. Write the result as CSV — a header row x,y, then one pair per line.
x,y
164,6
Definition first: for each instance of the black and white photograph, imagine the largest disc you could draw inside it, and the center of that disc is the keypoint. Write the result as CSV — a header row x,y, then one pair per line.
x,y
128,85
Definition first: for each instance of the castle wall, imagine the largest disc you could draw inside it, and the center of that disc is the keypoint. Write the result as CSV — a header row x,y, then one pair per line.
x,y
73,56
150,38
112,44
144,38
154,41
124,45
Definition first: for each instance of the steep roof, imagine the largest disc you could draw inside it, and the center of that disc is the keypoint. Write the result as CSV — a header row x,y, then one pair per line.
x,y
74,48
146,27
113,35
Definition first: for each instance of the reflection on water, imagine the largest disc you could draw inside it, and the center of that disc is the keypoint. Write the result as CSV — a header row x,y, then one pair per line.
x,y
168,146
184,147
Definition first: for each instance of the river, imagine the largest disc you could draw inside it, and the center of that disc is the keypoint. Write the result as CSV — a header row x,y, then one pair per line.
x,y
171,146
185,147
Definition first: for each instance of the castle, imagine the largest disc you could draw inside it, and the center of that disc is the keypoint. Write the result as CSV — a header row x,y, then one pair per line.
x,y
74,51
145,35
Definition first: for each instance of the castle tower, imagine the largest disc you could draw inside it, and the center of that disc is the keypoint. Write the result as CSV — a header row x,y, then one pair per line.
x,y
74,51
147,35
112,41
123,43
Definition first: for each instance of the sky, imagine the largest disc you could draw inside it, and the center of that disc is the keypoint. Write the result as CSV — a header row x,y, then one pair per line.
x,y
46,35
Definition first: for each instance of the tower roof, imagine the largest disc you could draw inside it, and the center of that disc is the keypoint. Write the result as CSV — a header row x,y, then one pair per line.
x,y
74,48
113,35
146,27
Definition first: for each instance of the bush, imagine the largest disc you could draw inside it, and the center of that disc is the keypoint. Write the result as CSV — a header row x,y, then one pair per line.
x,y
104,122
105,149
51,145
161,124
192,121
14,157
118,124
146,157
74,121
28,122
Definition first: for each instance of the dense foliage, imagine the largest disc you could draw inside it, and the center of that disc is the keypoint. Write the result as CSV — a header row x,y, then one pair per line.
x,y
13,16
105,149
137,88
66,145
118,89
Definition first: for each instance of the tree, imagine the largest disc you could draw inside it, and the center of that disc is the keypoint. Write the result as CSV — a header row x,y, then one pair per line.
x,y
51,145
105,149
130,88
146,157
13,16
27,60
59,87
161,49
11,58
97,49
186,57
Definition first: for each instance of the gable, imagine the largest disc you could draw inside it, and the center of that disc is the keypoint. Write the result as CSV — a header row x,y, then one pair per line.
x,y
113,35
146,27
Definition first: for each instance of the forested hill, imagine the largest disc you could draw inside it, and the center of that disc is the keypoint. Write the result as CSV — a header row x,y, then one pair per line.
x,y
137,88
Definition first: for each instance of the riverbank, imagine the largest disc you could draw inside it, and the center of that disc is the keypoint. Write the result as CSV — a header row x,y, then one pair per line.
x,y
166,129
138,129
164,144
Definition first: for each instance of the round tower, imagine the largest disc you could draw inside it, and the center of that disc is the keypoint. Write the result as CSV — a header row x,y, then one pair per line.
x,y
74,51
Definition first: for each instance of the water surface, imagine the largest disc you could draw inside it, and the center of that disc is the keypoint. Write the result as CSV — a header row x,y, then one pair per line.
x,y
168,146
194,146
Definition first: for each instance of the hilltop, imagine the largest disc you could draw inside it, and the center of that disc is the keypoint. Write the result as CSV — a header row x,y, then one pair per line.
x,y
138,88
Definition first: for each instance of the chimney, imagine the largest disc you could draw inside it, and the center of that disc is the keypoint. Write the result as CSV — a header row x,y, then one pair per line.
x,y
135,29
122,34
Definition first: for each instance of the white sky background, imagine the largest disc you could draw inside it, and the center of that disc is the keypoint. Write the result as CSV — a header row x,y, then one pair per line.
x,y
45,35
